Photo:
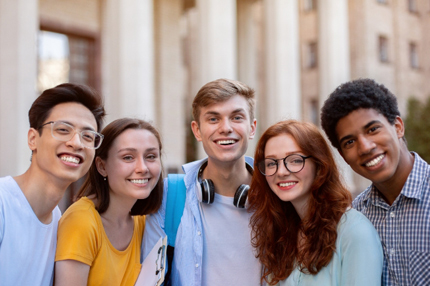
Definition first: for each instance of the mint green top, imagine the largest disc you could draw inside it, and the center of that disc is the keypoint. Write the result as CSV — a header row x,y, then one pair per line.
x,y
357,261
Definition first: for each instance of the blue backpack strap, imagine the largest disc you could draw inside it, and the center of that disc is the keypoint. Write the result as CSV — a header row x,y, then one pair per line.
x,y
174,206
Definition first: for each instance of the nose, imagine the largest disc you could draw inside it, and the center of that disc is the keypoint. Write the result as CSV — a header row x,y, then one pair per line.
x,y
75,142
225,127
141,166
365,145
282,169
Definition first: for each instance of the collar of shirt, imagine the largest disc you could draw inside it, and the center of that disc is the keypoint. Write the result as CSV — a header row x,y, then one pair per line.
x,y
413,187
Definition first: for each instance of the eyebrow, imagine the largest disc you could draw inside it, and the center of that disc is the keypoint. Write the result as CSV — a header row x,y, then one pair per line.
x,y
238,110
298,152
130,149
74,126
347,137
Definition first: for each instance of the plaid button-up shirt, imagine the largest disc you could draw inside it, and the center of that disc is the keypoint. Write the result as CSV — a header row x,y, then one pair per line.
x,y
404,227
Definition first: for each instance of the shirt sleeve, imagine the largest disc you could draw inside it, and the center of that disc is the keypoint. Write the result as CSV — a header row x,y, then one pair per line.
x,y
1,222
78,236
361,251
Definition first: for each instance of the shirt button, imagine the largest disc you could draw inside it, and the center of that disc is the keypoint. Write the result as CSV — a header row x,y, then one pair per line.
x,y
392,251
197,265
199,233
392,214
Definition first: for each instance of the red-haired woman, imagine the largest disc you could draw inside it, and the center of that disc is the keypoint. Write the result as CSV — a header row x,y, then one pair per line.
x,y
303,228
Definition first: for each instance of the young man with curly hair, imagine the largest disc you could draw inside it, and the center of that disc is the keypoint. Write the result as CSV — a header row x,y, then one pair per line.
x,y
362,120
64,125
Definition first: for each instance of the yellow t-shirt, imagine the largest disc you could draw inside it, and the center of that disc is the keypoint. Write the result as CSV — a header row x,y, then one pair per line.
x,y
81,237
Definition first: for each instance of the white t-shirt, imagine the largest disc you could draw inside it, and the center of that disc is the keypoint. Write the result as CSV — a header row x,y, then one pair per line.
x,y
27,246
228,257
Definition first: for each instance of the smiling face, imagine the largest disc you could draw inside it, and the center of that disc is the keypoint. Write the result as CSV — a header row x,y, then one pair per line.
x,y
133,165
67,161
371,145
290,187
224,128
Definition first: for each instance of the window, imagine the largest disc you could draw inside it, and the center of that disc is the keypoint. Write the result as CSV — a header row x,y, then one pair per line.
x,y
412,6
310,5
383,49
413,55
312,55
314,111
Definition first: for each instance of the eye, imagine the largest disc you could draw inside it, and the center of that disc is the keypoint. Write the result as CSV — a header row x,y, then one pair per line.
x,y
127,158
348,144
88,136
271,164
373,129
238,117
151,157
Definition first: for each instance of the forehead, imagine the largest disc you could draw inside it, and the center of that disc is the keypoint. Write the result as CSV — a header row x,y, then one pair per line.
x,y
358,120
282,144
74,113
231,105
137,139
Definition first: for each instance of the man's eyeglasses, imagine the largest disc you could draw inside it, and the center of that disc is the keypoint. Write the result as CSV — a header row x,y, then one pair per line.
x,y
63,131
294,163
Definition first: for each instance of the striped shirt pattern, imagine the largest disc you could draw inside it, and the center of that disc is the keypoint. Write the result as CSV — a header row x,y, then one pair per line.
x,y
404,227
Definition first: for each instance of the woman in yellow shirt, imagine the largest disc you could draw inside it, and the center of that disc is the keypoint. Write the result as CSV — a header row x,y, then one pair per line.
x,y
100,235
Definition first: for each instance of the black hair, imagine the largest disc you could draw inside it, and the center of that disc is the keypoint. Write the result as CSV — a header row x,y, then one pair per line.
x,y
353,95
63,93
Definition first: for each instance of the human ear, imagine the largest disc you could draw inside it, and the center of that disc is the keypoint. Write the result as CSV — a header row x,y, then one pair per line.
x,y
100,165
400,127
196,130
253,129
32,137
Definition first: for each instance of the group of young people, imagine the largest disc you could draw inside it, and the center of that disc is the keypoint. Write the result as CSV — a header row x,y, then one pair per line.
x,y
284,217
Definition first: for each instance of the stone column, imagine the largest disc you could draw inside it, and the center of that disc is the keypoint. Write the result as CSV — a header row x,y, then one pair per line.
x,y
282,56
217,39
128,59
19,25
334,59
170,79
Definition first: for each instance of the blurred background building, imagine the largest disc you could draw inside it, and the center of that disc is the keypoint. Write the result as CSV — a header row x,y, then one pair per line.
x,y
148,58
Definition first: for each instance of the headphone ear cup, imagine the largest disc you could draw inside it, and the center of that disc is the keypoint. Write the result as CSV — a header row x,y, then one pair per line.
x,y
207,191
241,196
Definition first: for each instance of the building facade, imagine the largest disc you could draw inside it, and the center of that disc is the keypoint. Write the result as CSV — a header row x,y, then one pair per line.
x,y
148,58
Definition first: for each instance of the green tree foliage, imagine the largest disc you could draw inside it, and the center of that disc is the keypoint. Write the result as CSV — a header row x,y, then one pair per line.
x,y
417,126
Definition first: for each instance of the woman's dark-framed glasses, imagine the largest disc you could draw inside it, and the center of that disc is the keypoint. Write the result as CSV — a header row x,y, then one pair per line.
x,y
63,131
294,164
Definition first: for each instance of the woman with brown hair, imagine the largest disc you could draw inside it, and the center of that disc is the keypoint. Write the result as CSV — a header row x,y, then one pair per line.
x,y
303,228
100,235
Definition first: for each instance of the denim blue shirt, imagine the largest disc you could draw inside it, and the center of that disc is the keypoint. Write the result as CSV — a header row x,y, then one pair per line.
x,y
404,227
187,262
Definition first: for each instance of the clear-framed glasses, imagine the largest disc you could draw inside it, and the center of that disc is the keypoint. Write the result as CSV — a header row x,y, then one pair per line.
x,y
294,163
63,131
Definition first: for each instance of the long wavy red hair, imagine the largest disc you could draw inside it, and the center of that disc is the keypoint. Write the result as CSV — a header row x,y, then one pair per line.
x,y
275,223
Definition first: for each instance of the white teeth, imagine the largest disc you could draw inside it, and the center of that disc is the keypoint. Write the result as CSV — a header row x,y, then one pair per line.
x,y
287,184
141,181
375,161
225,142
70,159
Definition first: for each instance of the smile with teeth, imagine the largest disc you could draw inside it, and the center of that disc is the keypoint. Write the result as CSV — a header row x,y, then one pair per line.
x,y
225,142
70,159
287,184
375,161
140,181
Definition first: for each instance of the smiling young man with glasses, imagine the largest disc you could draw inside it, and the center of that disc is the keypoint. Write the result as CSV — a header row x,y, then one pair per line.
x,y
63,136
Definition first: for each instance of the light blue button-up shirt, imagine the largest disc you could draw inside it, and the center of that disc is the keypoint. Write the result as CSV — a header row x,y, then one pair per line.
x,y
187,262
